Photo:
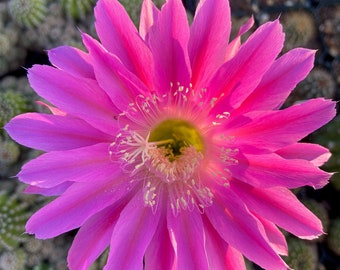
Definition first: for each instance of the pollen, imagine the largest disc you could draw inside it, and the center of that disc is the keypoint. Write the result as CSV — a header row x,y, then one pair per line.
x,y
175,135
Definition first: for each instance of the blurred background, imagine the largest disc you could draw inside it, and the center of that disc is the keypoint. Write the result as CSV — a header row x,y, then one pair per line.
x,y
30,27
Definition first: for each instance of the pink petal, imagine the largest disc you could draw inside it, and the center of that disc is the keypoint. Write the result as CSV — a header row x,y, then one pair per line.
x,y
209,36
187,237
149,15
77,165
215,247
71,60
53,132
168,40
93,238
77,204
119,35
281,207
80,97
275,236
280,79
121,85
235,44
240,229
270,170
52,109
132,234
55,191
237,78
160,252
314,153
277,129
234,259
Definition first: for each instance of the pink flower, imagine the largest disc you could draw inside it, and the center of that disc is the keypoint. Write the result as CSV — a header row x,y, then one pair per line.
x,y
167,144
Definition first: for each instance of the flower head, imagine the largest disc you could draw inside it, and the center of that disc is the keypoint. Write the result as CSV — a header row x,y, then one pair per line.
x,y
168,145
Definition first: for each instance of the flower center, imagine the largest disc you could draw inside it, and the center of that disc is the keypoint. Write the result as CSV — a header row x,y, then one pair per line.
x,y
168,159
175,136
174,159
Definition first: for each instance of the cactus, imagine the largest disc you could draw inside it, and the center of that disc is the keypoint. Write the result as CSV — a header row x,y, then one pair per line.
x,y
13,216
78,9
320,211
300,29
133,7
333,238
329,136
302,255
13,260
11,104
319,83
28,13
9,154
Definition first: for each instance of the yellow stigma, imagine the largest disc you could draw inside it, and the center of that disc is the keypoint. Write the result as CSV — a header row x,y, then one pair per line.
x,y
175,135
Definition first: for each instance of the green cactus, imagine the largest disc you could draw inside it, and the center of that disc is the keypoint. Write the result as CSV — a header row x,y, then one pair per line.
x,y
28,13
333,238
320,211
133,7
13,260
299,27
329,136
9,154
11,104
302,254
78,9
319,83
13,217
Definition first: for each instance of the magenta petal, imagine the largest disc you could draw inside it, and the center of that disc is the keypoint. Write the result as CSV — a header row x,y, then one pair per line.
x,y
314,153
80,97
77,204
52,109
279,205
121,85
160,252
53,132
209,36
240,229
215,247
268,170
119,35
235,44
77,165
71,60
168,40
275,236
237,78
234,259
93,238
280,79
132,234
54,191
149,15
187,237
277,129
